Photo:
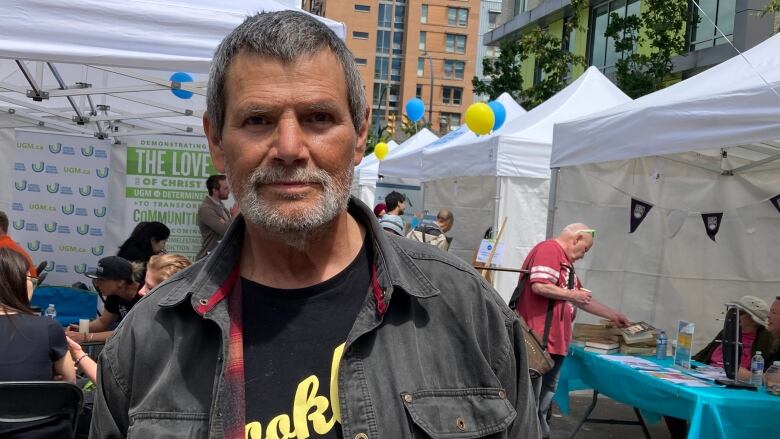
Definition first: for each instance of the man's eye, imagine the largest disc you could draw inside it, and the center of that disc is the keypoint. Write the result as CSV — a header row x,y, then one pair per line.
x,y
320,117
256,120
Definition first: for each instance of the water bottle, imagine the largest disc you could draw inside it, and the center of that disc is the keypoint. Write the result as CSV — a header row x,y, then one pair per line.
x,y
757,370
772,377
660,346
51,311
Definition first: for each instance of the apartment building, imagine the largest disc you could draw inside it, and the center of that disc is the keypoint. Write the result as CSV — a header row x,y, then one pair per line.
x,y
715,26
411,48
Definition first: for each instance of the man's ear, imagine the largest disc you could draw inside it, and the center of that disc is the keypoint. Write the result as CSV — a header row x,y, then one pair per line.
x,y
214,138
362,137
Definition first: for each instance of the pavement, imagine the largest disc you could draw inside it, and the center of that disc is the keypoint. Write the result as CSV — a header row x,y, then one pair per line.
x,y
562,426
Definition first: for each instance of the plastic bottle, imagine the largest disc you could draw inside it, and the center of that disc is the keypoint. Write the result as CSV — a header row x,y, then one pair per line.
x,y
757,370
51,311
660,346
772,379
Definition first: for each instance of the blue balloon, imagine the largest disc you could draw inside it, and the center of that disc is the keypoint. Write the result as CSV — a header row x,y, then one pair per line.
x,y
499,112
415,109
181,77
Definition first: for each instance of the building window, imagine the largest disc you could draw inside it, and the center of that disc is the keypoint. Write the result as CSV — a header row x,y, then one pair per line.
x,y
361,61
451,95
422,41
362,8
458,17
703,33
392,96
400,15
420,66
379,91
398,42
602,49
360,35
492,52
448,122
383,41
453,69
455,43
385,15
424,14
395,69
493,18
381,67
418,91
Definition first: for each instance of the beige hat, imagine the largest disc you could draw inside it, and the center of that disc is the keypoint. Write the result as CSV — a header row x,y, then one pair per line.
x,y
757,308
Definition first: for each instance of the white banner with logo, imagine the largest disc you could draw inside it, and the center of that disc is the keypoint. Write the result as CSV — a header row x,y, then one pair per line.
x,y
165,181
59,202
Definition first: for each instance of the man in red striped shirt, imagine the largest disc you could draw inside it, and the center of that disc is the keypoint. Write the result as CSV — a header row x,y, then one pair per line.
x,y
552,284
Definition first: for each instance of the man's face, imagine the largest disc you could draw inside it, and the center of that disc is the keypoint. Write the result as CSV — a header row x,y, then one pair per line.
x,y
581,244
107,287
401,208
444,224
224,190
774,318
288,144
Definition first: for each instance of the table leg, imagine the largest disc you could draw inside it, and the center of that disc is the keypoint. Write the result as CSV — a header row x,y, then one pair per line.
x,y
585,417
642,423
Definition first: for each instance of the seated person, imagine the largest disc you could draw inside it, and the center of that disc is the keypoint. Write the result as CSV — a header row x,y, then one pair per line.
x,y
113,278
753,336
32,348
160,268
773,326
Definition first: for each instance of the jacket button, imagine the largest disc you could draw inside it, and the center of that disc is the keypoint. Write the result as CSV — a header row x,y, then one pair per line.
x,y
501,394
361,436
461,424
408,398
203,302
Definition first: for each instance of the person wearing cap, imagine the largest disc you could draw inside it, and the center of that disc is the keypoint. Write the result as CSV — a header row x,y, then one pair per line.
x,y
113,278
773,326
380,210
753,335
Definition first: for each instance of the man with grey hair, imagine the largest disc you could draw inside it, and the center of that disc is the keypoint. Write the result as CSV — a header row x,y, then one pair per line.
x,y
547,297
307,320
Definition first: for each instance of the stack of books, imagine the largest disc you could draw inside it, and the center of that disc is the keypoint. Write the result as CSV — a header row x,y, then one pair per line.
x,y
600,338
606,346
638,339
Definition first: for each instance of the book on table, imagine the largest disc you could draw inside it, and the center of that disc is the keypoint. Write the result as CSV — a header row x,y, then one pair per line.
x,y
600,350
638,332
602,344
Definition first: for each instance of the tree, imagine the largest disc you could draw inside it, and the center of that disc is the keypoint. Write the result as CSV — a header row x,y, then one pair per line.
x,y
503,74
773,6
660,31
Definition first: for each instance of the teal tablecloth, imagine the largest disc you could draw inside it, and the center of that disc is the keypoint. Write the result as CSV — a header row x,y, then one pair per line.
x,y
712,412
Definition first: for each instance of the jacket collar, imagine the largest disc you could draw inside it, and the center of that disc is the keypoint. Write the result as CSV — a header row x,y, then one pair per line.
x,y
215,274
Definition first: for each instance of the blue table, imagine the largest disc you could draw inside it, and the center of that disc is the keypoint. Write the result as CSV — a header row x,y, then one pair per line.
x,y
712,412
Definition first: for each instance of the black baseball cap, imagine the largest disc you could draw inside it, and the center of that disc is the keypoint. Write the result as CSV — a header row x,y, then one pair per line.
x,y
112,268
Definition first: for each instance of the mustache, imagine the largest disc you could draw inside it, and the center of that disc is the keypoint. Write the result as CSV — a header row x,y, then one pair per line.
x,y
278,174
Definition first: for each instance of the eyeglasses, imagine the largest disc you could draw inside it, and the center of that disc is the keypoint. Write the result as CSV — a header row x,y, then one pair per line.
x,y
34,280
591,232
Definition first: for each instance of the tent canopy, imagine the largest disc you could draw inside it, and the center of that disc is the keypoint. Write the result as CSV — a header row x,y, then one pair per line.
x,y
409,162
734,105
521,148
99,68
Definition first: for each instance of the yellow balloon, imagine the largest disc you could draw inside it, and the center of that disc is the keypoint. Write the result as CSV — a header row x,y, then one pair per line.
x,y
480,118
380,150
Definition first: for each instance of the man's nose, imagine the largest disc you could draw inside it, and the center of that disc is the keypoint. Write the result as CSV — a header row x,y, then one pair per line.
x,y
290,144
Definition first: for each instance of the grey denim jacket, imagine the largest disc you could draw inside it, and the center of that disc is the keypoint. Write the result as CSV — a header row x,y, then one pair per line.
x,y
446,358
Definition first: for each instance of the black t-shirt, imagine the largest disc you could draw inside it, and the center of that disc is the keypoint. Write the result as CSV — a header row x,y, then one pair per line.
x,y
293,340
29,347
117,305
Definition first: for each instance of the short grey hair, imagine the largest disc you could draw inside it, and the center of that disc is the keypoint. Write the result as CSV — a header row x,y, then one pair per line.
x,y
286,36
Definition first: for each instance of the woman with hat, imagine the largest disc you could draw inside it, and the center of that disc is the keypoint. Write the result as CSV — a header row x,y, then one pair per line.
x,y
752,334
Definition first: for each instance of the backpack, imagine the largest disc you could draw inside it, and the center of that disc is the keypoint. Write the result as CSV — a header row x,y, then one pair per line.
x,y
429,234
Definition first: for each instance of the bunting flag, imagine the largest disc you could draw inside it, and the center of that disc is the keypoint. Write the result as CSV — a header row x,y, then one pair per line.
x,y
712,223
639,210
775,202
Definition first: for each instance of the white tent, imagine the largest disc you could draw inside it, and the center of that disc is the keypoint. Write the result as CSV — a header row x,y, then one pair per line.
x,y
705,145
408,163
508,174
367,172
366,175
100,68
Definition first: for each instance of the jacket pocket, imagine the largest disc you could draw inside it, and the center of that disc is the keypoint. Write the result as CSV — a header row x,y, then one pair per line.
x,y
160,425
459,413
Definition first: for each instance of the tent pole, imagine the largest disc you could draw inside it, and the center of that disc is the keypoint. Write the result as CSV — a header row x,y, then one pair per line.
x,y
551,202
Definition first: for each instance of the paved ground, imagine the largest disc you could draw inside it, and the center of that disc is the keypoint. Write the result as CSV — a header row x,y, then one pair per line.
x,y
562,426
